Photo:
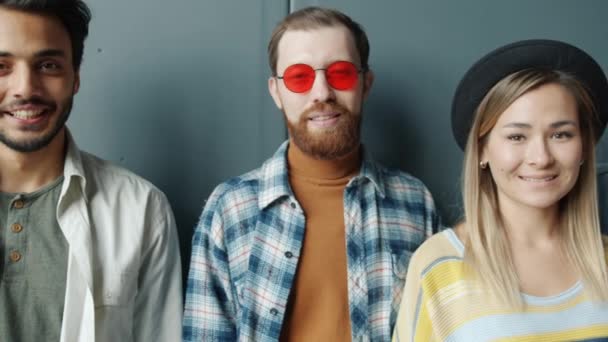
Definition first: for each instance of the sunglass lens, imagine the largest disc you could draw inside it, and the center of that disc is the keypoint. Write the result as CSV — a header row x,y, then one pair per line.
x,y
299,78
342,75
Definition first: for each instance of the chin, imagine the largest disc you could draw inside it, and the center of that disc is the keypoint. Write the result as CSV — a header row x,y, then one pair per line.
x,y
542,202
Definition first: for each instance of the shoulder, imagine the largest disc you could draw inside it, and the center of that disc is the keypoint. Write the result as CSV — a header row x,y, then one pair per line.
x,y
401,185
269,180
438,249
97,166
232,202
107,177
119,198
396,177
406,197
237,190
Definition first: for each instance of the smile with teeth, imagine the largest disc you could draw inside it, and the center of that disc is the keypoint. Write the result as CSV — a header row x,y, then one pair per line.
x,y
538,179
27,114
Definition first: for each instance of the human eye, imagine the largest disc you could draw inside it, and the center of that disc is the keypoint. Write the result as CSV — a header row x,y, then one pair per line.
x,y
341,69
516,137
51,67
340,72
562,135
298,75
4,68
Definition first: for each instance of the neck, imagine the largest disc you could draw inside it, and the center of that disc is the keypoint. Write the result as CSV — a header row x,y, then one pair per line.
x,y
24,172
302,164
530,226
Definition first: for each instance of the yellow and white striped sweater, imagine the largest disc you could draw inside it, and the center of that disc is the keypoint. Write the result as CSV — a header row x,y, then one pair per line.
x,y
440,304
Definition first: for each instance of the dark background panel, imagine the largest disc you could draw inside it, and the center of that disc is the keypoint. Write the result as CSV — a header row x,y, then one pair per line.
x,y
176,91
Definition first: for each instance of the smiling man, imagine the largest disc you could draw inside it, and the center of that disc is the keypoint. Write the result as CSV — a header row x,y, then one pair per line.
x,y
314,244
89,250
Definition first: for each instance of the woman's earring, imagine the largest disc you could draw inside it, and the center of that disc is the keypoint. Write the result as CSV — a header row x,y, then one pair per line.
x,y
483,165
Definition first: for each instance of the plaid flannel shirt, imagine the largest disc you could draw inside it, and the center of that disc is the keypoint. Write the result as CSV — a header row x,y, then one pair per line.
x,y
246,247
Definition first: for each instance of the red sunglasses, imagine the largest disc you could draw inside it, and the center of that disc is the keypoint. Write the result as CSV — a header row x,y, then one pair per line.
x,y
340,75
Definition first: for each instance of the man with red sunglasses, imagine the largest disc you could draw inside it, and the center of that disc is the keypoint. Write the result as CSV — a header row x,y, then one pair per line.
x,y
314,244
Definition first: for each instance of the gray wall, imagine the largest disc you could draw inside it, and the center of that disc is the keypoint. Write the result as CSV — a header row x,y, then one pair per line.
x,y
176,90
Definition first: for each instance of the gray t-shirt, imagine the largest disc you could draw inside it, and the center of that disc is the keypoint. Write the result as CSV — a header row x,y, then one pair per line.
x,y
34,265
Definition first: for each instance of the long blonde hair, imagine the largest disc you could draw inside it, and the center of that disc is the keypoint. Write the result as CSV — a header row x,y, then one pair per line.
x,y
487,250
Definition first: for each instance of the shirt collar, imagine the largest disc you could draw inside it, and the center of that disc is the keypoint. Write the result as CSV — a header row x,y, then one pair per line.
x,y
274,183
370,171
73,169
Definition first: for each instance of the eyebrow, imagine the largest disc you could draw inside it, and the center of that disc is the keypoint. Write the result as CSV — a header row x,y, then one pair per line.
x,y
556,124
43,53
50,53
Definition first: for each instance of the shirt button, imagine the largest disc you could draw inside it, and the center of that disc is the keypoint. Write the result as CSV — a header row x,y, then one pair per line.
x,y
293,205
15,256
274,311
16,228
288,255
18,204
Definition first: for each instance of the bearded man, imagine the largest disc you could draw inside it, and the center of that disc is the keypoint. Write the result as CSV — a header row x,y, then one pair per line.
x,y
314,244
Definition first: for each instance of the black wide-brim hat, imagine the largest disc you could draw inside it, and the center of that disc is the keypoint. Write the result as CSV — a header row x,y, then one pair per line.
x,y
526,54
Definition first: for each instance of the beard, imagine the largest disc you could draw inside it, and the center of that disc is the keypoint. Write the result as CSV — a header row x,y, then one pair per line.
x,y
37,143
330,143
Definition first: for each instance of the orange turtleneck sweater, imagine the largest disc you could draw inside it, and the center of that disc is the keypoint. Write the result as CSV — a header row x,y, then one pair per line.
x,y
318,305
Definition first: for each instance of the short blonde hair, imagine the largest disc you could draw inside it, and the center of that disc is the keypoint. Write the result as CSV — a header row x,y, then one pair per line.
x,y
316,17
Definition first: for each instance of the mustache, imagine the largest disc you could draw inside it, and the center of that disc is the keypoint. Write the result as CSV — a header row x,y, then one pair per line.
x,y
35,100
325,107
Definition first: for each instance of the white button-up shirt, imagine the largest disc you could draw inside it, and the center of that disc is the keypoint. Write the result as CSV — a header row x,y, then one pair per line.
x,y
124,277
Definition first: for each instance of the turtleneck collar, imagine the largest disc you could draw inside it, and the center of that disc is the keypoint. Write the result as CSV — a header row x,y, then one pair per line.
x,y
304,165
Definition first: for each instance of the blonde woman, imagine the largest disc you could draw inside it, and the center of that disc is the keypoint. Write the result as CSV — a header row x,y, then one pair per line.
x,y
528,263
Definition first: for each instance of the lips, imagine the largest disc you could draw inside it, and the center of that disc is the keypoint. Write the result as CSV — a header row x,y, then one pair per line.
x,y
26,114
324,117
538,179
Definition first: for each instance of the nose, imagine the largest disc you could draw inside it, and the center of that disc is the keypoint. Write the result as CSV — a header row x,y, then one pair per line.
x,y
24,82
539,153
321,90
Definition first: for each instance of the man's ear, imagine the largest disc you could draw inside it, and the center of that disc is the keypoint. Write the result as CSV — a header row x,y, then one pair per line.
x,y
274,92
368,81
76,83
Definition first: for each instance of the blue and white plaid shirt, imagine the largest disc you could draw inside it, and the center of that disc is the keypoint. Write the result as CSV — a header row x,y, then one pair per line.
x,y
247,244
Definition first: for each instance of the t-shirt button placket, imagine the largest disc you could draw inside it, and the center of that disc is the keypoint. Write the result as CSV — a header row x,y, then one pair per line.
x,y
16,228
18,204
15,256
